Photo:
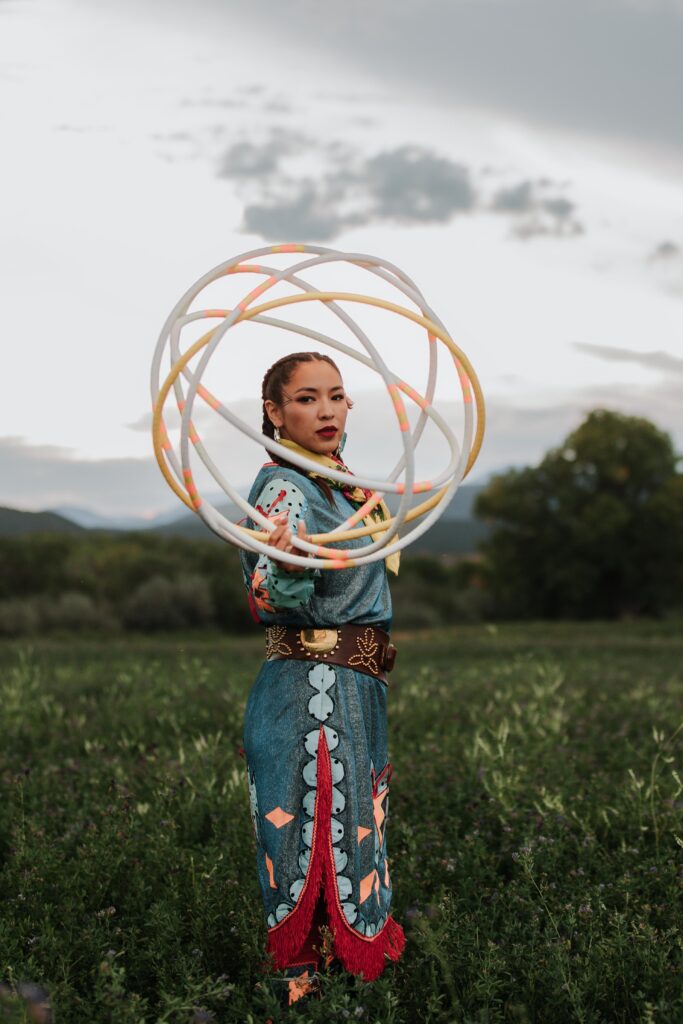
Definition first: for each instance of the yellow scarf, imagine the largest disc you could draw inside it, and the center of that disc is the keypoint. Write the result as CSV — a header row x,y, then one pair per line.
x,y
355,493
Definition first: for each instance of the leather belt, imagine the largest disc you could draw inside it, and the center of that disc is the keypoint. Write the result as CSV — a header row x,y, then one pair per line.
x,y
364,648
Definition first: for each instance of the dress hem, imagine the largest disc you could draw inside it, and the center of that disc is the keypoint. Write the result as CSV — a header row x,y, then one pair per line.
x,y
359,954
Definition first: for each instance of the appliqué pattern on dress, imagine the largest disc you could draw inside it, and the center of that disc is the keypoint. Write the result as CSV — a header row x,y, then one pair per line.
x,y
260,591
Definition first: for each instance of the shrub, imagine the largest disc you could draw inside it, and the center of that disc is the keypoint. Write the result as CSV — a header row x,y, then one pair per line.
x,y
160,603
77,611
19,616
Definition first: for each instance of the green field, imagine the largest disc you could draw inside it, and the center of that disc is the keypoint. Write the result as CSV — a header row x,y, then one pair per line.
x,y
535,830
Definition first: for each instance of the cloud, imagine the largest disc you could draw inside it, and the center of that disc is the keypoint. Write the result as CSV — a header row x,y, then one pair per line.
x,y
407,185
245,159
171,137
666,250
213,102
514,198
608,67
410,185
663,361
305,214
665,265
48,476
536,213
143,424
82,129
251,160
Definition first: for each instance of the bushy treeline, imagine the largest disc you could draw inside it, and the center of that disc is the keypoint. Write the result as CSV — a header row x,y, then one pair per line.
x,y
148,582
595,531
111,582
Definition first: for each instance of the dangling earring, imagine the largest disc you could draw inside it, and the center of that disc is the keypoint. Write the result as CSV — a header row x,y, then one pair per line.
x,y
276,434
340,447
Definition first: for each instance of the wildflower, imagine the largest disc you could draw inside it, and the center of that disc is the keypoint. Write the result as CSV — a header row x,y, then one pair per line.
x,y
201,1016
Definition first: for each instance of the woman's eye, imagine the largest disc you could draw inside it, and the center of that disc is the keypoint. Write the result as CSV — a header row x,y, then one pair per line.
x,y
342,398
305,399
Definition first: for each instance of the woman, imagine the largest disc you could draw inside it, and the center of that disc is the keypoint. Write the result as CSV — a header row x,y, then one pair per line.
x,y
315,734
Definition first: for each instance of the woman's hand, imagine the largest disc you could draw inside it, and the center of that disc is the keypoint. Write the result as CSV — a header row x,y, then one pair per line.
x,y
281,538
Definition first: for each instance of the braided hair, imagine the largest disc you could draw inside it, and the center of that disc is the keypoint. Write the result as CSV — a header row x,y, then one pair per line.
x,y
272,389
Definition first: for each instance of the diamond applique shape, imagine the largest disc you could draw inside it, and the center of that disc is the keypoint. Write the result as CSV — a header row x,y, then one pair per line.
x,y
378,811
367,885
278,817
363,832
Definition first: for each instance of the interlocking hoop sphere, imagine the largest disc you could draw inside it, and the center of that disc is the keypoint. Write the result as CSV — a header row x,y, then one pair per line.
x,y
186,385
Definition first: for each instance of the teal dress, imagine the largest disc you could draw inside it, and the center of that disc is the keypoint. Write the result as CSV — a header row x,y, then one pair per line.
x,y
315,741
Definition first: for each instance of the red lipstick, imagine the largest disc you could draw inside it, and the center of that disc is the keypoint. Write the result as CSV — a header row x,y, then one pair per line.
x,y
326,432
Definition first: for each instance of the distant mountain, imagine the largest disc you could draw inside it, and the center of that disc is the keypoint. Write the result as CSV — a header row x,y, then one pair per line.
x,y
461,507
94,521
447,536
15,523
451,537
456,532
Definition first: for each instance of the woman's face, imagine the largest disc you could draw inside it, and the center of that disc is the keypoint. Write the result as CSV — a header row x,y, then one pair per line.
x,y
314,407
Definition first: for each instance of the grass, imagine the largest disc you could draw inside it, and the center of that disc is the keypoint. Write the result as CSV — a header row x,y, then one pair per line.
x,y
535,830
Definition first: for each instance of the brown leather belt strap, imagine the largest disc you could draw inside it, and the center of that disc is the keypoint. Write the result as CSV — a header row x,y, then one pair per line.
x,y
364,648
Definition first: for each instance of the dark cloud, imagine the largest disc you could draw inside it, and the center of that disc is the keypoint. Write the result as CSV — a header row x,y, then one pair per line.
x,y
658,360
609,67
514,199
540,214
407,185
410,184
303,215
666,251
246,159
560,208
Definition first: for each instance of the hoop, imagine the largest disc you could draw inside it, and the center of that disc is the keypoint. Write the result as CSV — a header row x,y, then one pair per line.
x,y
179,476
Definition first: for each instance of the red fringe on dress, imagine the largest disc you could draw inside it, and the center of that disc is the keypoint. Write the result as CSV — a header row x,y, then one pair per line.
x,y
359,954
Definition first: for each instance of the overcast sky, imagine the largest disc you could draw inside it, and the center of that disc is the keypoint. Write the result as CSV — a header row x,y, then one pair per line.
x,y
520,159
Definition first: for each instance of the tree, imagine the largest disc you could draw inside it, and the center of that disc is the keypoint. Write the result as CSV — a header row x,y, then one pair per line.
x,y
595,530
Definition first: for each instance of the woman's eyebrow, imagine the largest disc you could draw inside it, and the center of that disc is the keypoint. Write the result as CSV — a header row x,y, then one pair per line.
x,y
337,387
